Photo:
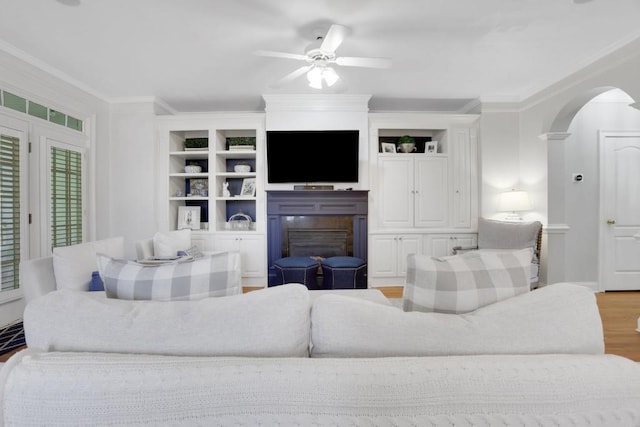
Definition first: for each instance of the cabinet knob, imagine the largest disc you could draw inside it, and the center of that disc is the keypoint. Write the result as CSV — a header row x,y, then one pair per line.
x,y
611,221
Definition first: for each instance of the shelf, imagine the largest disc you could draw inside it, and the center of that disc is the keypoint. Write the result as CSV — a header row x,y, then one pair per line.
x,y
235,198
217,163
190,154
189,175
412,154
188,198
236,174
239,154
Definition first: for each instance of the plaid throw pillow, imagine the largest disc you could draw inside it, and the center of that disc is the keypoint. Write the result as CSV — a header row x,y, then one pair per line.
x,y
463,283
210,276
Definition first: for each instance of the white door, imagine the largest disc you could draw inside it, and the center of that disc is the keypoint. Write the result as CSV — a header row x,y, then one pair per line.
x,y
620,210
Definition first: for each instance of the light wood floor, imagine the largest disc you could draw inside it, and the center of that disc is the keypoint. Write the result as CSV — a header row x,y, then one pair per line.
x,y
619,312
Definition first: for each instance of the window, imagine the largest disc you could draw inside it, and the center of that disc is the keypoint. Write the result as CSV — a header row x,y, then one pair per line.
x,y
66,197
43,184
14,237
11,197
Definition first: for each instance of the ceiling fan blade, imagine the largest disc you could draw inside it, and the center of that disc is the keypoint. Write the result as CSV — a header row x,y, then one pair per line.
x,y
275,54
351,61
292,76
334,38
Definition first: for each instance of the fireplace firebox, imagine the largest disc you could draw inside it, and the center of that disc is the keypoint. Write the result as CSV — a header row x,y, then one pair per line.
x,y
315,223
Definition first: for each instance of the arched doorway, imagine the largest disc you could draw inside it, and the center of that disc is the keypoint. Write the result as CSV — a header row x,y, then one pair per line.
x,y
575,205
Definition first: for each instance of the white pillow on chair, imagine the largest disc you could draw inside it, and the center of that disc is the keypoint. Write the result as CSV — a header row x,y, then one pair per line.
x,y
169,243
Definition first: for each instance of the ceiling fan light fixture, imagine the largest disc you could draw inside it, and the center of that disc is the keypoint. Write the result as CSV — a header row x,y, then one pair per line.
x,y
315,78
317,75
330,76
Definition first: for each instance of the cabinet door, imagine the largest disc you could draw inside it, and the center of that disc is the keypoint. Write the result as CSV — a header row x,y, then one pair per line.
x,y
251,248
440,245
382,256
431,191
463,177
464,240
407,244
396,191
388,254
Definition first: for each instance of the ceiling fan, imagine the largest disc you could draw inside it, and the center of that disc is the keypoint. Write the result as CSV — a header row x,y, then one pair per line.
x,y
320,56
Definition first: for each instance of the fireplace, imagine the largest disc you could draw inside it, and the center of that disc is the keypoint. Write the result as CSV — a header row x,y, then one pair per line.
x,y
316,223
318,243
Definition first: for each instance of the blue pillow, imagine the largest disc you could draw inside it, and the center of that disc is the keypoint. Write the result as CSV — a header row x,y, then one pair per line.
x,y
96,282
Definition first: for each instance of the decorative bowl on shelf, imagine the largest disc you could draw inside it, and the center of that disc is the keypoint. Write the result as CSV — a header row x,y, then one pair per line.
x,y
240,221
193,169
242,168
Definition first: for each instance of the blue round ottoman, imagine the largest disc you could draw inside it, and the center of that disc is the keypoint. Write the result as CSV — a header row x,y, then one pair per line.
x,y
344,272
297,269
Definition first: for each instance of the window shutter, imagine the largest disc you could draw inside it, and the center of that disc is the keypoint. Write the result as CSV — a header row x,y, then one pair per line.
x,y
9,211
66,197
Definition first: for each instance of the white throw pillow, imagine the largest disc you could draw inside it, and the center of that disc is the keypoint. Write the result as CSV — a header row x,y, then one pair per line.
x,y
560,318
168,243
271,322
73,265
463,283
209,276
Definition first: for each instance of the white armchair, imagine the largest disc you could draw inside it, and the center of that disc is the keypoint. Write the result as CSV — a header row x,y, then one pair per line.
x,y
69,267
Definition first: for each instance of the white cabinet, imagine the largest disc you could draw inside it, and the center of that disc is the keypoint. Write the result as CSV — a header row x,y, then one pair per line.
x,y
413,190
252,249
388,254
440,245
178,186
424,189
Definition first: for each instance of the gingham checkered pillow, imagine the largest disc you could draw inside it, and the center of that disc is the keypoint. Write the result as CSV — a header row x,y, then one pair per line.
x,y
463,283
210,276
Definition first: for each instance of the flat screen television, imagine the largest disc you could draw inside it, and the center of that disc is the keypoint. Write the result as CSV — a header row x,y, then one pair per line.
x,y
313,156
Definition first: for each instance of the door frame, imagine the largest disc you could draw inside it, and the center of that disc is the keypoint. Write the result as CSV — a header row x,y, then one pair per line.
x,y
603,228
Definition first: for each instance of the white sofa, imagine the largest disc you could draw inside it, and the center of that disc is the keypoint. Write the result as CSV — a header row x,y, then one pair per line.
x,y
289,356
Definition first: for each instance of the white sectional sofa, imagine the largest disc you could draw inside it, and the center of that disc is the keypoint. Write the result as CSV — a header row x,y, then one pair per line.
x,y
288,356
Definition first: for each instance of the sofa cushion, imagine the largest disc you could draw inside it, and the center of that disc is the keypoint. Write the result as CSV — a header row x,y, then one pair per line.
x,y
269,322
166,244
208,276
462,283
73,265
560,318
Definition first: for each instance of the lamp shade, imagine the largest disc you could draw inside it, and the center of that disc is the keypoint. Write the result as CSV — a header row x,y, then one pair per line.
x,y
514,201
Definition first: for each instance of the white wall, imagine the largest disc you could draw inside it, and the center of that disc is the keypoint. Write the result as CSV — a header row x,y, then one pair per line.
x,y
133,171
499,155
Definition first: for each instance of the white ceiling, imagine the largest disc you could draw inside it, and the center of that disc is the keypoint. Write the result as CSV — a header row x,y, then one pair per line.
x,y
197,55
